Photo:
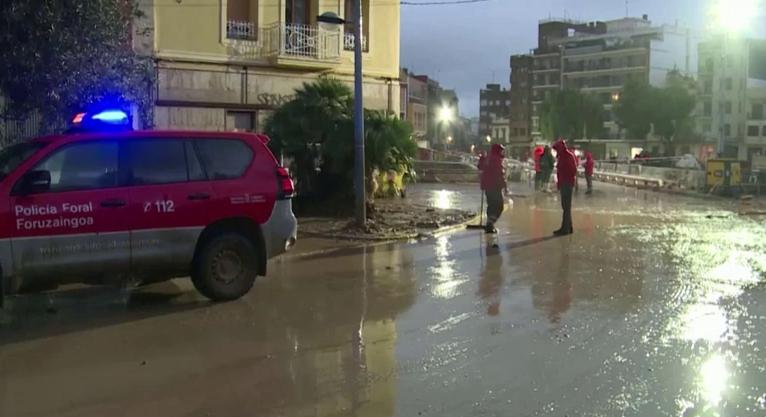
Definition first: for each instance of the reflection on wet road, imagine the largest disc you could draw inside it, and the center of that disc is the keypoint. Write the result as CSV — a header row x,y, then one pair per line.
x,y
656,306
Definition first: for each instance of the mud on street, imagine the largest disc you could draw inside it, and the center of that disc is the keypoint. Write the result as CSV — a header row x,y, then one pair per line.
x,y
656,306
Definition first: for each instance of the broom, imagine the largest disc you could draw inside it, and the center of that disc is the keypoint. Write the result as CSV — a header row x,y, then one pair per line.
x,y
481,218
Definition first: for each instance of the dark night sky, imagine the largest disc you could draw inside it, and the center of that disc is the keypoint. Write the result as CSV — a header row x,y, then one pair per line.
x,y
467,46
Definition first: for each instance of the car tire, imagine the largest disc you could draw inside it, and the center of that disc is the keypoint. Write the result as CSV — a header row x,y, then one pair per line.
x,y
225,267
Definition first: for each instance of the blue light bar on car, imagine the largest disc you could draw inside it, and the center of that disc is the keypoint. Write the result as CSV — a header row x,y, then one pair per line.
x,y
106,119
117,117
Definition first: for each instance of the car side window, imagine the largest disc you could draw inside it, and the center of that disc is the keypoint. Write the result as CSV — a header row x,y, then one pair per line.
x,y
196,173
82,166
155,161
224,158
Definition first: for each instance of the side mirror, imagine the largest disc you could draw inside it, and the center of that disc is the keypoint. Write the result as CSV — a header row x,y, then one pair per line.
x,y
35,182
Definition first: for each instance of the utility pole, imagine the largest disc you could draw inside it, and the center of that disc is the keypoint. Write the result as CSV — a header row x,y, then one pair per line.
x,y
359,171
360,189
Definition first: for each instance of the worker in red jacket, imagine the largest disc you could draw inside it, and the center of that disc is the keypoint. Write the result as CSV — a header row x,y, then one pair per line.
x,y
589,164
566,173
493,184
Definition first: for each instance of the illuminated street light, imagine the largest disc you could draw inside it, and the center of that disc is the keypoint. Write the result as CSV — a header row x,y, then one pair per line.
x,y
449,139
615,97
734,16
445,114
489,139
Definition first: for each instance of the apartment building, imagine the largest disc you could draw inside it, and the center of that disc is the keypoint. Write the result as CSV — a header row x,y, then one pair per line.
x,y
415,105
599,58
494,103
224,65
520,121
732,76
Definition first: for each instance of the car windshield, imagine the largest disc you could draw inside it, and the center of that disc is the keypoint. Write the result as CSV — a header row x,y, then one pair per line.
x,y
14,155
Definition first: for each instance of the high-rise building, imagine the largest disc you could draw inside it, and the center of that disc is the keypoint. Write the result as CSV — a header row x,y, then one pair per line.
x,y
521,106
732,79
599,58
494,103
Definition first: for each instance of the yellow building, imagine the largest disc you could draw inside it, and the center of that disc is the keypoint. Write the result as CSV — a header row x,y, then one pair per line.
x,y
227,64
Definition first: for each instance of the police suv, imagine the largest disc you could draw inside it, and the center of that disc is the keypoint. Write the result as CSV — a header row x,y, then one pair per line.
x,y
104,204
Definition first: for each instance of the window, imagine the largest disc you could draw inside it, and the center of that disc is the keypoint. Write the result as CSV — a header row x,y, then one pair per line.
x,y
708,87
708,108
14,155
196,173
727,129
753,131
241,19
764,131
706,127
349,26
727,107
729,84
240,121
82,166
155,161
757,112
484,102
224,158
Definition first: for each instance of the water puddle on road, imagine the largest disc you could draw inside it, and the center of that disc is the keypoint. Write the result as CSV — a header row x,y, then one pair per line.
x,y
717,259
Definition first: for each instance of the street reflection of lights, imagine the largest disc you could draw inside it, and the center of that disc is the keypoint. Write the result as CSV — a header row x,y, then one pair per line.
x,y
714,376
447,279
443,199
704,322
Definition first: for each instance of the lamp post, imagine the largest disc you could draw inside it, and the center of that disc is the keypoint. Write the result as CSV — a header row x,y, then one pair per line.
x,y
359,171
445,117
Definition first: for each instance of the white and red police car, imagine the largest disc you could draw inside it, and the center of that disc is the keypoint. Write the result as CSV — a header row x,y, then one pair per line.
x,y
104,204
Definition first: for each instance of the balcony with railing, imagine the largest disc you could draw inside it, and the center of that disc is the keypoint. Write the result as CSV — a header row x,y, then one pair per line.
x,y
348,42
287,45
240,29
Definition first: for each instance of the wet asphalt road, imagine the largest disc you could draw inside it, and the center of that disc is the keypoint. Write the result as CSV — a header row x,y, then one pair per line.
x,y
656,306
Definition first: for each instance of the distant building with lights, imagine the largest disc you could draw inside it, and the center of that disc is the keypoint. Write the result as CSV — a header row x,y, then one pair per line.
x,y
598,58
494,104
731,108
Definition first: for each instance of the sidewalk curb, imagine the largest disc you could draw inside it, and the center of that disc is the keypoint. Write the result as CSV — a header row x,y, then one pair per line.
x,y
370,241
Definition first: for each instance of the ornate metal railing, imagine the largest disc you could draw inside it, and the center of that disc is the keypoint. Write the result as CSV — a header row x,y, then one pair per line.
x,y
302,41
348,42
237,29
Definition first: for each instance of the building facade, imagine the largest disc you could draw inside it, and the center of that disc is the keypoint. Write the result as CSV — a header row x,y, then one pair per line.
x,y
225,65
499,130
730,108
415,105
494,103
599,58
520,142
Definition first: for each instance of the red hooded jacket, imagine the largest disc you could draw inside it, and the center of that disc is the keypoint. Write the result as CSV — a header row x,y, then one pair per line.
x,y
566,167
492,171
589,164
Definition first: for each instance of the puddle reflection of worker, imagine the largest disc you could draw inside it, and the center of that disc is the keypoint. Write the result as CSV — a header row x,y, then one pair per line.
x,y
491,281
553,293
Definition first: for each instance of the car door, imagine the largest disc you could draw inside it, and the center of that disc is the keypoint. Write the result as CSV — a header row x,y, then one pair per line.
x,y
74,227
169,196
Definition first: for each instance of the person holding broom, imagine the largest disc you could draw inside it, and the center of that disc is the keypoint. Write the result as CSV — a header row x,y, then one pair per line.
x,y
493,184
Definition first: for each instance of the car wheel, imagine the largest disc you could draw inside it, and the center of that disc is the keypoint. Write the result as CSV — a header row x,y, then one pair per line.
x,y
225,267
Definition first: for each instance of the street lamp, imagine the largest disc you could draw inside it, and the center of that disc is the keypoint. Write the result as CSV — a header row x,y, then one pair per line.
x,y
445,114
359,182
734,15
489,139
